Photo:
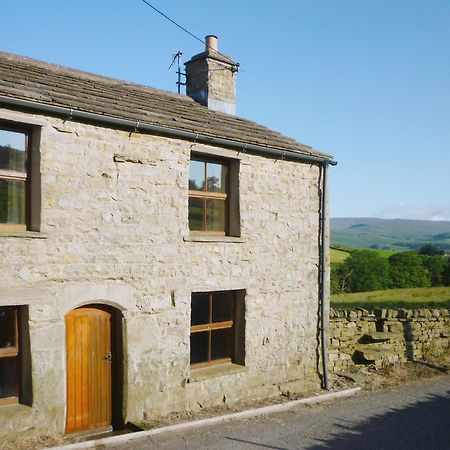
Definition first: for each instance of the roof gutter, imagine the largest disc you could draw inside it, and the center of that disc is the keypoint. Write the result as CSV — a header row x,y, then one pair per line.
x,y
71,113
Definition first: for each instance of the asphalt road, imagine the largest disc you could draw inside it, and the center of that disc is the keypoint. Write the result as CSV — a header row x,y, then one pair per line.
x,y
414,417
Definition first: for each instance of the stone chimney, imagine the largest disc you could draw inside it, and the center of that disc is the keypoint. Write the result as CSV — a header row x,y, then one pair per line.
x,y
211,78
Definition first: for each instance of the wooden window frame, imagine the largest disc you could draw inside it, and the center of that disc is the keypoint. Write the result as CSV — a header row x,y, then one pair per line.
x,y
11,175
211,326
13,352
207,195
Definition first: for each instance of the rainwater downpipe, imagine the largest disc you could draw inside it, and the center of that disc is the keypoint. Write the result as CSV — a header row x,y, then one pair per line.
x,y
322,272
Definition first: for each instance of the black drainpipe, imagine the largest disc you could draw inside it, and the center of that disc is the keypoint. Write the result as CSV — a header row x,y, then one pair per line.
x,y
322,271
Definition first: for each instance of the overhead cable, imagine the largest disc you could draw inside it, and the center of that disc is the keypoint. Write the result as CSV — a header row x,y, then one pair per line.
x,y
173,21
181,27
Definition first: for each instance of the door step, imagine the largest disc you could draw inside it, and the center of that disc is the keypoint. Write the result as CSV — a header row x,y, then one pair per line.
x,y
101,433
80,435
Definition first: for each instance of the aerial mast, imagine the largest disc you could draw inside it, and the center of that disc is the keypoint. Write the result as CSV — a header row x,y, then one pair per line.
x,y
177,57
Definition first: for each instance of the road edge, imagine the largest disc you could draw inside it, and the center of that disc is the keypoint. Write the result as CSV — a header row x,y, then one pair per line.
x,y
209,421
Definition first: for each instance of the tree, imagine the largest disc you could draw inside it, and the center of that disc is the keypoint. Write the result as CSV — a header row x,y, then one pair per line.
x,y
339,278
435,266
407,271
335,279
430,250
364,270
446,273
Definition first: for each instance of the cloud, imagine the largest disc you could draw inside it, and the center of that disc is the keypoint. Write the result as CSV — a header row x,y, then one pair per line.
x,y
418,212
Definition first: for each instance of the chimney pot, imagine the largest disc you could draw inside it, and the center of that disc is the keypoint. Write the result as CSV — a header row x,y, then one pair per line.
x,y
211,43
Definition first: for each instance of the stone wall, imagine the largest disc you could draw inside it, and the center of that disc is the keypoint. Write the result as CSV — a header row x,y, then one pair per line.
x,y
114,230
386,336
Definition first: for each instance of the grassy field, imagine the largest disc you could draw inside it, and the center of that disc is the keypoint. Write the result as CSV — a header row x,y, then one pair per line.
x,y
338,254
433,297
387,253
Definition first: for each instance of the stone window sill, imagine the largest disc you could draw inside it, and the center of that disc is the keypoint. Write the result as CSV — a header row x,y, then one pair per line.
x,y
213,239
23,234
206,373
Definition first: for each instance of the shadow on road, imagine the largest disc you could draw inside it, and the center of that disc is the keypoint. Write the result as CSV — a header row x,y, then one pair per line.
x,y
422,425
257,444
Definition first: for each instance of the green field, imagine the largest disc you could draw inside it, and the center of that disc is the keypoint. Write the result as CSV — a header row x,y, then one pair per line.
x,y
337,256
433,297
387,253
339,253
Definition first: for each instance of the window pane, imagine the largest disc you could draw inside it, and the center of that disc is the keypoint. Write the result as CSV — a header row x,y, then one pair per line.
x,y
12,150
12,201
8,319
215,215
8,377
222,344
197,175
199,347
217,177
200,310
222,307
196,213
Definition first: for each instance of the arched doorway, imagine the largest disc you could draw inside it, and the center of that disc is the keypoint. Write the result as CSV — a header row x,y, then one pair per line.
x,y
93,354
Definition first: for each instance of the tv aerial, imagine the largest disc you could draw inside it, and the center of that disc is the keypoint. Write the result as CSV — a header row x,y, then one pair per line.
x,y
177,58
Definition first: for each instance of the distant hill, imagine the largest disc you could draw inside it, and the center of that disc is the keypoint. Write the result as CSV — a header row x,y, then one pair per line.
x,y
392,234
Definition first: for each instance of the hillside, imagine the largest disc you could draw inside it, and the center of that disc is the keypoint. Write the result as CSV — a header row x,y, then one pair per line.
x,y
395,234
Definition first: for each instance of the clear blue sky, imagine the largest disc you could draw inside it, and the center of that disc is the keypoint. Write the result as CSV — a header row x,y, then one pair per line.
x,y
365,80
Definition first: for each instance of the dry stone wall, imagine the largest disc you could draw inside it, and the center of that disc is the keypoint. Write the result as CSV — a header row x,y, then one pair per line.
x,y
386,336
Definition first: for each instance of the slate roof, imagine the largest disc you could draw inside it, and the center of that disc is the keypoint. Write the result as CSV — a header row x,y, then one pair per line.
x,y
28,79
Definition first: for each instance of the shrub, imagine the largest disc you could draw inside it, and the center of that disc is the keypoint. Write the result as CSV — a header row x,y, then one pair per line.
x,y
446,273
435,266
430,250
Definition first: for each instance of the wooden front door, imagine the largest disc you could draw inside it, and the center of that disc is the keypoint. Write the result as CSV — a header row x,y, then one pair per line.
x,y
88,343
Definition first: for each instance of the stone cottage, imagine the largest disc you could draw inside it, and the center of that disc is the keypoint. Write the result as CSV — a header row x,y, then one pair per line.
x,y
159,253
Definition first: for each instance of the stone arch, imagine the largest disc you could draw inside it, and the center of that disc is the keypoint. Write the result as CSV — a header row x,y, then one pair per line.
x,y
117,295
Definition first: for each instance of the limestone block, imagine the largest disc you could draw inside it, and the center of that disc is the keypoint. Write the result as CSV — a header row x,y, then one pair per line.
x,y
335,343
395,328
381,313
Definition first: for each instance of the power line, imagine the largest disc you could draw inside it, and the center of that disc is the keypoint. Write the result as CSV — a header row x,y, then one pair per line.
x,y
184,29
173,21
